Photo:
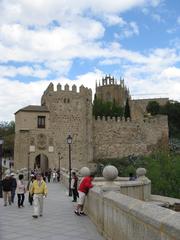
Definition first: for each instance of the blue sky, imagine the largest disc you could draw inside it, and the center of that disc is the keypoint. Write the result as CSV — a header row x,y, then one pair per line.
x,y
80,41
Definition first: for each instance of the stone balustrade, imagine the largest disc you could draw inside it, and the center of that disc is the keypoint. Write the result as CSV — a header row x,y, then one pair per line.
x,y
115,206
139,189
120,217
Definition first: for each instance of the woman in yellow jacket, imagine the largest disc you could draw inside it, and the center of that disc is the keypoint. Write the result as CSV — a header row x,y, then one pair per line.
x,y
39,190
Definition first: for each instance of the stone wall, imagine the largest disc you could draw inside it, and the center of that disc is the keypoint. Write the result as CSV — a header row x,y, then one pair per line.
x,y
71,113
116,139
138,107
68,111
121,217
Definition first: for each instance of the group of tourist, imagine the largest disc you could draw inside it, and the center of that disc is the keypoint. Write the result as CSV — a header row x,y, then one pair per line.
x,y
49,175
38,191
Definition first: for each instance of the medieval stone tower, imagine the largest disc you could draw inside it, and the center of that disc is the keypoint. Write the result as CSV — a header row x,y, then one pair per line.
x,y
41,131
109,90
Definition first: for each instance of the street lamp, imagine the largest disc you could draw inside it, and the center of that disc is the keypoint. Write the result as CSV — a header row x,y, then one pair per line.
x,y
69,142
1,143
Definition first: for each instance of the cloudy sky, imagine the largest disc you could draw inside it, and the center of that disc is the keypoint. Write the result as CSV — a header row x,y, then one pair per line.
x,y
79,41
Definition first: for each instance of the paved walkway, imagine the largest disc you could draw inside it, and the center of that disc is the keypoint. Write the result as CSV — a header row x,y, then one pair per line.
x,y
58,222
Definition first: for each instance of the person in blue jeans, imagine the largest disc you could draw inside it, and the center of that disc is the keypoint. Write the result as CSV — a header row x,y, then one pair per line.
x,y
21,190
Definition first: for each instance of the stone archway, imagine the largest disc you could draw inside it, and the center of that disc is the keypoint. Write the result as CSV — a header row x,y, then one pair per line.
x,y
41,162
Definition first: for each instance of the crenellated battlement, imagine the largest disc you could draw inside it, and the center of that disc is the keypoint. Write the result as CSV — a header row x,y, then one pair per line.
x,y
74,89
112,119
160,119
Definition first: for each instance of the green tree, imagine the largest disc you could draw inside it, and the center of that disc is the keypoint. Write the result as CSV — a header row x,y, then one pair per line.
x,y
162,169
153,107
127,113
7,131
106,109
172,110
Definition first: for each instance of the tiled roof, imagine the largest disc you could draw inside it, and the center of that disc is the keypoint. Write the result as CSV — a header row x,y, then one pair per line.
x,y
33,108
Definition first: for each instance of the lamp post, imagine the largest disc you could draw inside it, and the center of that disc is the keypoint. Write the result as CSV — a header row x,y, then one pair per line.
x,y
1,143
28,164
69,142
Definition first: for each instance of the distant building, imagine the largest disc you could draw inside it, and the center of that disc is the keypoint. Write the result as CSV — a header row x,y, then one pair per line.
x,y
110,90
41,131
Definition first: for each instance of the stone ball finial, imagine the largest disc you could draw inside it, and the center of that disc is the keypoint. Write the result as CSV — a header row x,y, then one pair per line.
x,y
85,171
110,173
141,172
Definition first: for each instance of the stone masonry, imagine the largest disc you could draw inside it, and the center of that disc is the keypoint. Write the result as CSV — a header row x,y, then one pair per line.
x,y
41,131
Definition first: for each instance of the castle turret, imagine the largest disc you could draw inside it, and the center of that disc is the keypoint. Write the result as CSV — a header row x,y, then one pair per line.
x,y
111,91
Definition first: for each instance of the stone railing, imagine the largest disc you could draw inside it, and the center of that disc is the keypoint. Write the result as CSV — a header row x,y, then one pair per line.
x,y
139,189
120,217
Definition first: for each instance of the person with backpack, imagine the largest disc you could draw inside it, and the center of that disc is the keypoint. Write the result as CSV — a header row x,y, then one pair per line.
x,y
7,187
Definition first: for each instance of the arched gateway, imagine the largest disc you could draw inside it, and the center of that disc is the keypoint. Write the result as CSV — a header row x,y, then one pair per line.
x,y
41,162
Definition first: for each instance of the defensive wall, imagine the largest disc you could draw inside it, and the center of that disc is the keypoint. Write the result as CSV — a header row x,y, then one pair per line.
x,y
138,106
69,111
116,138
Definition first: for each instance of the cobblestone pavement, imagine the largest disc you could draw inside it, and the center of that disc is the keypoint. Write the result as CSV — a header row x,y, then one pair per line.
x,y
58,222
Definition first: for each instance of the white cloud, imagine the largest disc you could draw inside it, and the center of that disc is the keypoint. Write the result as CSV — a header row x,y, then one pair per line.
x,y
46,37
178,20
29,12
171,72
127,30
112,19
157,18
36,71
15,94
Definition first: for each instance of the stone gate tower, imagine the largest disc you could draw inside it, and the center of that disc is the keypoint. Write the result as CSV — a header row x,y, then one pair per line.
x,y
42,130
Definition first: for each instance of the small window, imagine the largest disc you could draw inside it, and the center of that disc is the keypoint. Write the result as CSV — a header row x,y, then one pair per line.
x,y
41,121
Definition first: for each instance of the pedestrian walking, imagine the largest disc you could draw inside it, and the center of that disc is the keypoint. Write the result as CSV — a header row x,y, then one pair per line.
x,y
7,187
58,175
21,190
54,176
14,186
30,198
49,175
74,183
85,185
39,191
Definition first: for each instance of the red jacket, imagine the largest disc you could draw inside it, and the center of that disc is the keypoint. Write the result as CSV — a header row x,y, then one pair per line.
x,y
85,184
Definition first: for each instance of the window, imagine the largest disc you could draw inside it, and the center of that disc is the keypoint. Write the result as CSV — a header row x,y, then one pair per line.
x,y
41,122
